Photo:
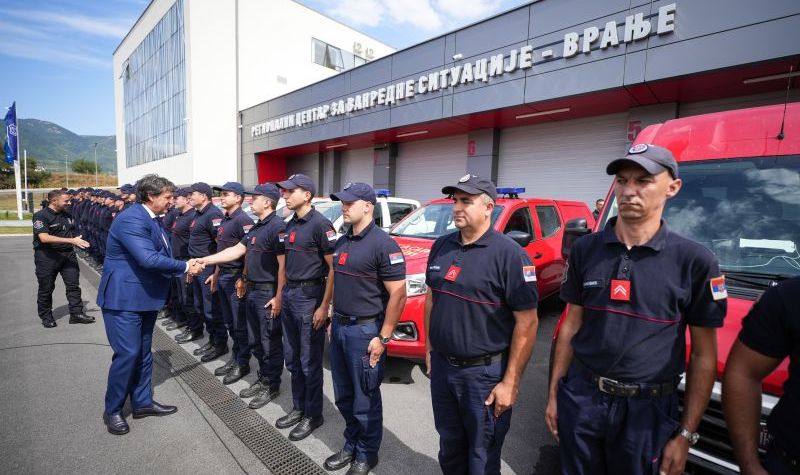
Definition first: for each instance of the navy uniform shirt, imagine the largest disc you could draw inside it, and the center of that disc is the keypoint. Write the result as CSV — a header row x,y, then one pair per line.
x,y
127,205
638,302
179,233
308,240
107,217
55,224
264,242
772,328
233,228
169,218
361,264
203,231
476,288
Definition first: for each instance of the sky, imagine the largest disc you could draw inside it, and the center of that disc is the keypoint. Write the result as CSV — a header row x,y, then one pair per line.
x,y
56,55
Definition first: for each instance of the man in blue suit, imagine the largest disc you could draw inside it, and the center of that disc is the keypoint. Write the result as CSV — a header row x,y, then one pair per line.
x,y
136,278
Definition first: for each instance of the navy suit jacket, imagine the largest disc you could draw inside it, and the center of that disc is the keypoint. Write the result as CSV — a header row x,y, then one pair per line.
x,y
138,264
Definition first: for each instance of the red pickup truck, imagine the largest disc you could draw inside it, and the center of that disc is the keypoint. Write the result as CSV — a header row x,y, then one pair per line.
x,y
741,199
536,224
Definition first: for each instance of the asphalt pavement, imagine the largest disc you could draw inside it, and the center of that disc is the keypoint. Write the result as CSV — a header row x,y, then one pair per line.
x,y
52,384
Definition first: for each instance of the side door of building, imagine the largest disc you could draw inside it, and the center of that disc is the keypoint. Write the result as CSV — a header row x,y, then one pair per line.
x,y
550,266
521,220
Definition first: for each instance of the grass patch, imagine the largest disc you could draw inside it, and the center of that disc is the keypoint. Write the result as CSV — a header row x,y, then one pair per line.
x,y
16,230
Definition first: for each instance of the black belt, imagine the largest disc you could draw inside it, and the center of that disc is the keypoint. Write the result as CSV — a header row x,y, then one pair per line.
x,y
484,360
293,284
261,285
230,270
348,320
625,389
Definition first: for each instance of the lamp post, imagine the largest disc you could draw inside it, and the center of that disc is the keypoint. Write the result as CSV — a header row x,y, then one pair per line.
x,y
95,164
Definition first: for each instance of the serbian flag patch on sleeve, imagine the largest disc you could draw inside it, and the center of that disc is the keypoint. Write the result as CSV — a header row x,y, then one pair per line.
x,y
331,235
396,258
529,272
718,289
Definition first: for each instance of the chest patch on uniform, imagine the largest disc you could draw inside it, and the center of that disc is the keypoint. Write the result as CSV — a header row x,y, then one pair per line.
x,y
718,289
247,228
292,235
434,268
529,273
342,258
221,230
331,235
216,221
253,240
281,237
452,273
192,225
593,284
621,290
38,224
396,258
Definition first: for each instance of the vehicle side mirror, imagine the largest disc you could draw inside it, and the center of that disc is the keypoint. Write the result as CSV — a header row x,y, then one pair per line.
x,y
574,229
519,237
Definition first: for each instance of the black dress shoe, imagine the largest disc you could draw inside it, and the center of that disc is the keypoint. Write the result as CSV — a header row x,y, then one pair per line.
x,y
214,353
187,336
338,460
225,369
161,315
360,468
167,321
235,374
262,398
116,424
175,326
203,349
82,318
305,427
49,323
289,419
155,410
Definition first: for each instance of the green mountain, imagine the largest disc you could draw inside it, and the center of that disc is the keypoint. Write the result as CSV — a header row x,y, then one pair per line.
x,y
49,143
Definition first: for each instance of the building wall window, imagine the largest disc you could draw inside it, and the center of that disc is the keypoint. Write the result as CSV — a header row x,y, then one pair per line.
x,y
154,84
332,57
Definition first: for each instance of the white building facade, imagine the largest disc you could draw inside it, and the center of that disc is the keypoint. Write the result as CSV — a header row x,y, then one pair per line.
x,y
187,67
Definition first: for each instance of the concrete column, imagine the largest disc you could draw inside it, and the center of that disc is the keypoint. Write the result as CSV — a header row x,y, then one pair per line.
x,y
385,167
483,153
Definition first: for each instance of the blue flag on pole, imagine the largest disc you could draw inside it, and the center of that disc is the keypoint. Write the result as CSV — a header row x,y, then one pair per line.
x,y
10,145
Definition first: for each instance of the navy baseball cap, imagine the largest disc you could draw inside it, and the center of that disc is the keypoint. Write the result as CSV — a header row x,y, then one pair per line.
x,y
474,185
203,188
652,158
126,188
269,190
231,186
354,192
185,192
298,180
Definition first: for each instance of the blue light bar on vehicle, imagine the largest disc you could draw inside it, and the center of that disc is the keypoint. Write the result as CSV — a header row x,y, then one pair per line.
x,y
384,192
510,191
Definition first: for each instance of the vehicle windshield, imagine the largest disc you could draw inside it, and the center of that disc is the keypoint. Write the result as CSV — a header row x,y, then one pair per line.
x,y
432,221
746,211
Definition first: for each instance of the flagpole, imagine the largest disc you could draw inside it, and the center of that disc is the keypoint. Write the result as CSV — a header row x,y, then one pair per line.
x,y
25,197
16,170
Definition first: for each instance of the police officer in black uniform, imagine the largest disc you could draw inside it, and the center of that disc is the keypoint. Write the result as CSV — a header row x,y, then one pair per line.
x,y
53,241
306,299
770,333
632,289
264,277
369,276
481,322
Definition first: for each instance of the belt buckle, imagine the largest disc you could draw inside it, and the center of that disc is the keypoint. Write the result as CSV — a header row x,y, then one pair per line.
x,y
453,361
602,381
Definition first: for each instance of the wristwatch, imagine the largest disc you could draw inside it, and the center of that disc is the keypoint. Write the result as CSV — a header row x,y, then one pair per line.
x,y
692,437
384,339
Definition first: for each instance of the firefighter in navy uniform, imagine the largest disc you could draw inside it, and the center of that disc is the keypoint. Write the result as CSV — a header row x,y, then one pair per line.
x,y
770,333
481,322
632,289
261,283
53,241
306,299
179,239
369,276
